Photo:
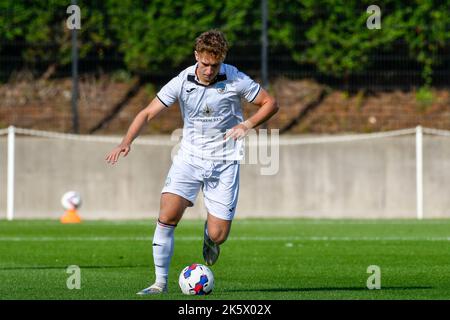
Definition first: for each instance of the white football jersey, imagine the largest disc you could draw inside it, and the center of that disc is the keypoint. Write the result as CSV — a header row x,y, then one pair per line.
x,y
209,111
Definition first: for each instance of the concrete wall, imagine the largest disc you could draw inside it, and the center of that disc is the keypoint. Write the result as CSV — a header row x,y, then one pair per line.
x,y
364,179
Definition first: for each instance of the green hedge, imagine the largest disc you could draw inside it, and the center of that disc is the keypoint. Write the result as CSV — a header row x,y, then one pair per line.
x,y
156,35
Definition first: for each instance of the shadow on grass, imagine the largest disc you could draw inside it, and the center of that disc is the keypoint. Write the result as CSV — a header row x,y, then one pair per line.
x,y
328,289
65,267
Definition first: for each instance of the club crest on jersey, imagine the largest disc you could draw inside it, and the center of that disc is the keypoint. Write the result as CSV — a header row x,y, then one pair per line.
x,y
221,87
207,111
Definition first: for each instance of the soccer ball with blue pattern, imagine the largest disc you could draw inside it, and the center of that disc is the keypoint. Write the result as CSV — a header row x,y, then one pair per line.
x,y
196,279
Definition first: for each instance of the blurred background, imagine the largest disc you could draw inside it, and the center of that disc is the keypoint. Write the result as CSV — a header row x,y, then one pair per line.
x,y
331,68
328,70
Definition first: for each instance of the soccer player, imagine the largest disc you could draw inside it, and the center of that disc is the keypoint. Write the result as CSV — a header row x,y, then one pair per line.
x,y
209,95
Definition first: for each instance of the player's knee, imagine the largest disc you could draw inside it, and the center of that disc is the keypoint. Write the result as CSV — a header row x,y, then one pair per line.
x,y
170,218
218,236
168,221
170,214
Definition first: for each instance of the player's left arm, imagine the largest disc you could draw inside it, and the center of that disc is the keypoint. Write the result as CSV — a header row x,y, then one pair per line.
x,y
267,108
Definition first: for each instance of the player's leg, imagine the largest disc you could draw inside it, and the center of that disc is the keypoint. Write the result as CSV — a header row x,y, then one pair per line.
x,y
215,233
179,192
171,211
220,200
172,207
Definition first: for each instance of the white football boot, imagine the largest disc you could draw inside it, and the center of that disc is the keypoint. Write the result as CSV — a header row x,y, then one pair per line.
x,y
156,288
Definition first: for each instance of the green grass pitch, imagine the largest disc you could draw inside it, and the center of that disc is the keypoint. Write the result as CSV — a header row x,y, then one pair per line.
x,y
290,259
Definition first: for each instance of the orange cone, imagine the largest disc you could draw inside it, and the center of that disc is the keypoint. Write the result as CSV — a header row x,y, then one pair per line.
x,y
70,216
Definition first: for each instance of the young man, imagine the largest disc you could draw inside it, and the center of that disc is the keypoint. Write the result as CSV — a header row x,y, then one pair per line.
x,y
209,95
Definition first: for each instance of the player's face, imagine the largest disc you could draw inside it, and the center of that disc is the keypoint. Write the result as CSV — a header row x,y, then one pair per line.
x,y
208,66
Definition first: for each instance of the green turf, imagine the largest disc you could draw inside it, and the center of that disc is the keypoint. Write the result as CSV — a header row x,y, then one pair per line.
x,y
262,259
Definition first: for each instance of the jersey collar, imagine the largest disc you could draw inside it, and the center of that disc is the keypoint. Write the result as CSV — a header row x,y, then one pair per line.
x,y
221,76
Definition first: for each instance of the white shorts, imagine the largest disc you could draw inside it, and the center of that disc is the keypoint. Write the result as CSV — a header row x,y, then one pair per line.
x,y
219,182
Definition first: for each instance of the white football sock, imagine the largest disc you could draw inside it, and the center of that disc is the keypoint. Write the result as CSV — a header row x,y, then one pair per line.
x,y
163,243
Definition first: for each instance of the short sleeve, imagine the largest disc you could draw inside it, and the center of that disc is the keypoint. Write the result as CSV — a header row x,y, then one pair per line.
x,y
247,87
170,92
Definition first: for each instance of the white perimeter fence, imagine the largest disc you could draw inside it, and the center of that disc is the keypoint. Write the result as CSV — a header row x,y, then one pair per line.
x,y
376,175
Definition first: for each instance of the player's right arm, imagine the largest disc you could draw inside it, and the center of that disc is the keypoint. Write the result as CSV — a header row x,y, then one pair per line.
x,y
142,118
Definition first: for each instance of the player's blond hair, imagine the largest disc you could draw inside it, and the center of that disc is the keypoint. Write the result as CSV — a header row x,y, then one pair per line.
x,y
213,42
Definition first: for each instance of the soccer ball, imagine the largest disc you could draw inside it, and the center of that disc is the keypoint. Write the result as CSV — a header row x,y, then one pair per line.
x,y
71,200
196,279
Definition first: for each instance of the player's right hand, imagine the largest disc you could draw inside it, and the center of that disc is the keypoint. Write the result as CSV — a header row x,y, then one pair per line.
x,y
113,156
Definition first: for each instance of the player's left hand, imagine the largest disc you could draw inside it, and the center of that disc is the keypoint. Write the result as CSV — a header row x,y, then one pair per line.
x,y
237,132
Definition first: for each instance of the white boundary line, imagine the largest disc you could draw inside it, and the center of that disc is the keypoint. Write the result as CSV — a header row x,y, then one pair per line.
x,y
244,238
254,221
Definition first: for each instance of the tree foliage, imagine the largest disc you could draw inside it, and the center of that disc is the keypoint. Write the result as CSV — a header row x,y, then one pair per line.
x,y
149,36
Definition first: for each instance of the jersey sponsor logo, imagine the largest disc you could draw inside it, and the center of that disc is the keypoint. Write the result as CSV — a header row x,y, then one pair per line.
x,y
209,120
190,90
207,111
